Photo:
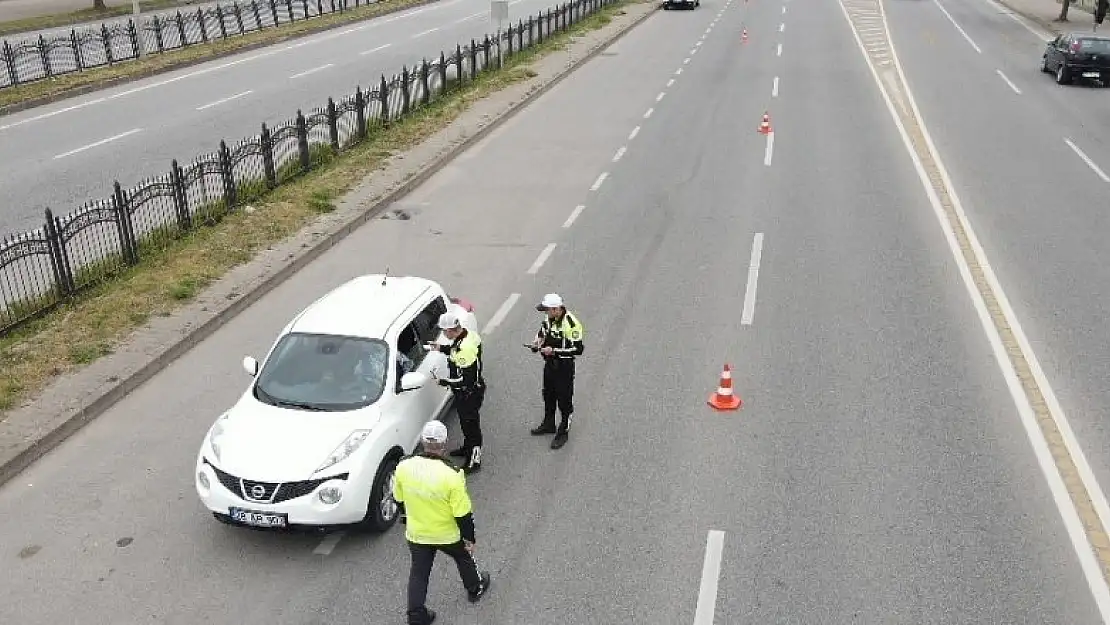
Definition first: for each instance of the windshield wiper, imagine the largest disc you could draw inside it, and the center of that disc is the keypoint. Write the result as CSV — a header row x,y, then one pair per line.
x,y
294,404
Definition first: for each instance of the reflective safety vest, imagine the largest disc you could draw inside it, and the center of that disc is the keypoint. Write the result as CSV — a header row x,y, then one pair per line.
x,y
434,494
565,338
464,362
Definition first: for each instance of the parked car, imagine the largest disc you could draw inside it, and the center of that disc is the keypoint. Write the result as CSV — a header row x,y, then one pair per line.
x,y
687,4
315,438
1077,55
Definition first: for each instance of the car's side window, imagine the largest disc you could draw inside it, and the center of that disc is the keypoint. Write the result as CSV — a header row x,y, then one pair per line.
x,y
426,322
410,353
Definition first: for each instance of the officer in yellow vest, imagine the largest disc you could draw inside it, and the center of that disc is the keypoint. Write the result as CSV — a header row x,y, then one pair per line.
x,y
559,341
436,511
468,384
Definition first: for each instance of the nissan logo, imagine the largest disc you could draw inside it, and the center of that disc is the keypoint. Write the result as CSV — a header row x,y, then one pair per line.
x,y
258,491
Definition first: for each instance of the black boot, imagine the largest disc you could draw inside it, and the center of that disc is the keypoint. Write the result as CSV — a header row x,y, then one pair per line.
x,y
422,617
543,428
483,588
559,440
474,461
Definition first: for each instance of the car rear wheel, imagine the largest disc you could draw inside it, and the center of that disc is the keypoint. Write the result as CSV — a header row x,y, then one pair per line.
x,y
1062,74
381,509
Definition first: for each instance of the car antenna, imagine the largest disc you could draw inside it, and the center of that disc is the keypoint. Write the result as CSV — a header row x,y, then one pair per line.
x,y
385,275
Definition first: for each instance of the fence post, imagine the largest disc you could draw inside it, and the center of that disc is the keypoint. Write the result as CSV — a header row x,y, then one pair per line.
x,y
406,95
220,17
473,60
128,246
203,26
333,125
292,16
520,34
78,58
158,34
239,17
442,72
257,14
228,175
509,38
59,261
424,76
383,93
302,142
9,61
44,56
105,38
485,53
267,141
180,200
360,115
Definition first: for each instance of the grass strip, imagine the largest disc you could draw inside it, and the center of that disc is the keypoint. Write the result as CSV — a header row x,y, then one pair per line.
x,y
154,63
173,271
82,16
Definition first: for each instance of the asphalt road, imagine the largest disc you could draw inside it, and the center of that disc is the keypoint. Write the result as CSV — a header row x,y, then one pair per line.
x,y
877,472
1038,206
64,154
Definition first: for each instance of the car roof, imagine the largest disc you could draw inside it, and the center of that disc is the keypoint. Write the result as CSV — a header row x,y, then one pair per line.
x,y
363,306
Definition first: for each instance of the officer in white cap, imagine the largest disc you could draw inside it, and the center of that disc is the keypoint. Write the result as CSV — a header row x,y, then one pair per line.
x,y
464,359
436,511
559,341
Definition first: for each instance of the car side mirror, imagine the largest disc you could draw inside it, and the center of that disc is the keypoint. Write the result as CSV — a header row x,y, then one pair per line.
x,y
413,380
250,365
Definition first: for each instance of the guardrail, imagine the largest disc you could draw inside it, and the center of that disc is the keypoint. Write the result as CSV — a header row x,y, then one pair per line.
x,y
33,59
44,268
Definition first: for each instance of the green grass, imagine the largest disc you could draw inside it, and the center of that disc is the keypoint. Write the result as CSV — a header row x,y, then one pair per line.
x,y
42,22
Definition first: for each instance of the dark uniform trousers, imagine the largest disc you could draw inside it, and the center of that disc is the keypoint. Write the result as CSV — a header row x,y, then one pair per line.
x,y
558,392
423,556
468,404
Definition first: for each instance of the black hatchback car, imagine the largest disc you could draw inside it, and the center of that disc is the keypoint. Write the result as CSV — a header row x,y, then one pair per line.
x,y
1078,55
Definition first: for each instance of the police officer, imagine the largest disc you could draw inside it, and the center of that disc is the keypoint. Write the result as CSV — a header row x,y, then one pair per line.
x,y
464,358
436,511
559,341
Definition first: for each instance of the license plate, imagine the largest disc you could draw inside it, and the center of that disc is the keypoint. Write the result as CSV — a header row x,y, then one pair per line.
x,y
258,519
1090,74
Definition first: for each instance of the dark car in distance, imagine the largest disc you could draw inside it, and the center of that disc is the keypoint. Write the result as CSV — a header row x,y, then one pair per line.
x,y
1078,55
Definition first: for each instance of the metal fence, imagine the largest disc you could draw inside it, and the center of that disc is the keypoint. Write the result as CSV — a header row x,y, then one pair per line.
x,y
31,60
42,269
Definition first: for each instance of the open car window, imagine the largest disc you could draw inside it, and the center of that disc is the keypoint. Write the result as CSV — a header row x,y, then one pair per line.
x,y
320,372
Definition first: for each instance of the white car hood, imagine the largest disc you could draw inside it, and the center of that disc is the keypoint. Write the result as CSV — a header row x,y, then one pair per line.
x,y
271,444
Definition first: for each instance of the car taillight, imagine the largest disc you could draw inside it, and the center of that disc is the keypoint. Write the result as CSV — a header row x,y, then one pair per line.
x,y
1075,47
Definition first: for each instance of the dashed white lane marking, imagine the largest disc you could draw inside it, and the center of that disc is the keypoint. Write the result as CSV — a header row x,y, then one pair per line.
x,y
225,100
958,27
1008,81
670,82
99,143
470,17
769,151
312,71
574,215
506,306
775,88
660,96
753,280
377,49
1086,159
425,32
686,61
648,113
541,259
635,131
784,10
327,545
782,27
678,71
600,181
779,53
694,51
710,577
619,154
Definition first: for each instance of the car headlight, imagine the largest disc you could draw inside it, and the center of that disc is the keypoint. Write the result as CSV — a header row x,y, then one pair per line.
x,y
214,435
330,494
347,448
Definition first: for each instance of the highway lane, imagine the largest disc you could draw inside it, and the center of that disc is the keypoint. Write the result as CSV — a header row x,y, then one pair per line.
x,y
877,471
129,474
69,152
1039,209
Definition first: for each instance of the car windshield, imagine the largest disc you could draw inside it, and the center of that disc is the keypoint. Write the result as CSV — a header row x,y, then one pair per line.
x,y
323,372
1094,46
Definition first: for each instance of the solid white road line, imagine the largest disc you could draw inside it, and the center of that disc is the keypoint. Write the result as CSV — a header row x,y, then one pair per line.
x,y
779,53
1040,33
753,280
619,154
98,143
1008,81
328,544
710,577
775,88
574,215
425,32
219,102
769,151
541,259
1061,496
648,113
377,49
470,17
311,71
501,313
1086,159
635,131
600,181
962,32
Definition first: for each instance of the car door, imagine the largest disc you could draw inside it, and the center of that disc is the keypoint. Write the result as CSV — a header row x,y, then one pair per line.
x,y
1052,53
406,407
434,363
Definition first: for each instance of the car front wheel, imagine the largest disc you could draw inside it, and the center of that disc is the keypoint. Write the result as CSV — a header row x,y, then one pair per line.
x,y
1044,63
381,509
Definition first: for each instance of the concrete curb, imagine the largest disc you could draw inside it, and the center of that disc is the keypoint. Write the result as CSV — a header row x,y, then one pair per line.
x,y
120,389
108,83
1047,24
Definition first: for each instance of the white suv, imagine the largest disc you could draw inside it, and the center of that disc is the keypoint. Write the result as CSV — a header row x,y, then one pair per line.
x,y
339,400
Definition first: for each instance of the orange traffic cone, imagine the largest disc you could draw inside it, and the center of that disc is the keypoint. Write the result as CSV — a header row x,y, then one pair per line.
x,y
765,125
744,36
723,399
